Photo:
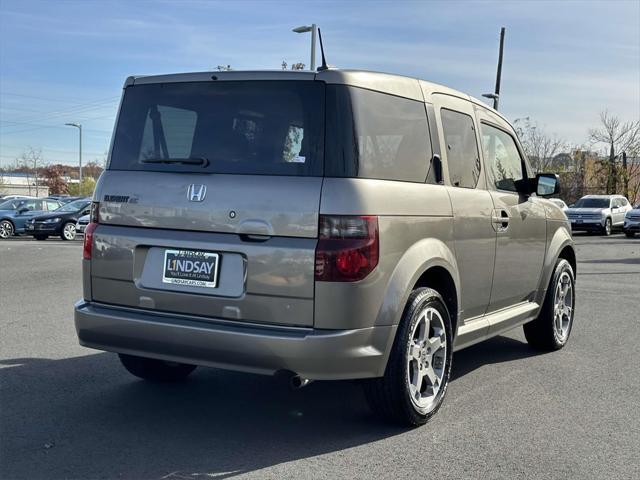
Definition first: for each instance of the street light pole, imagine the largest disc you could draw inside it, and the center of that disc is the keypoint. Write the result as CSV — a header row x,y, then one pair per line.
x,y
313,28
79,127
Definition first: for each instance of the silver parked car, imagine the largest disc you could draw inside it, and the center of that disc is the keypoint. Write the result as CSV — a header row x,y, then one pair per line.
x,y
632,221
330,225
598,213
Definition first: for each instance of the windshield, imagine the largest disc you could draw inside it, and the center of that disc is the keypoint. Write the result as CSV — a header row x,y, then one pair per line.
x,y
73,206
240,127
592,203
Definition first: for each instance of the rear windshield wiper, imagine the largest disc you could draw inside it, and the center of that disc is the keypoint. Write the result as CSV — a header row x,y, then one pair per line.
x,y
184,161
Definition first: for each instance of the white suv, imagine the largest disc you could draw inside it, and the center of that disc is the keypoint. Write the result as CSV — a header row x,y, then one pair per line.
x,y
600,213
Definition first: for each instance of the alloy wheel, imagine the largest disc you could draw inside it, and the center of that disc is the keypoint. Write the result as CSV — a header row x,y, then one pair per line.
x,y
69,231
6,229
563,307
426,358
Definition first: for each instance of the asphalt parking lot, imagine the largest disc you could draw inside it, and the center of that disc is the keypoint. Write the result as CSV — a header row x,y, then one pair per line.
x,y
510,412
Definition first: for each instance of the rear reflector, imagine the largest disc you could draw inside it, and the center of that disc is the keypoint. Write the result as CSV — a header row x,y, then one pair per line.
x,y
88,240
347,248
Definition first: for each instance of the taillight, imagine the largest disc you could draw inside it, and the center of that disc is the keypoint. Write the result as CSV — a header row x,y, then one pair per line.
x,y
348,248
89,229
88,240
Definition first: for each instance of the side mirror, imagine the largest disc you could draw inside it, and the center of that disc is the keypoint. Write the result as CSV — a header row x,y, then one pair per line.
x,y
547,184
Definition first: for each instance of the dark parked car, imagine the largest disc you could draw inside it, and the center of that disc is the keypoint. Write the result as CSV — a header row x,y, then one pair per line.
x,y
59,222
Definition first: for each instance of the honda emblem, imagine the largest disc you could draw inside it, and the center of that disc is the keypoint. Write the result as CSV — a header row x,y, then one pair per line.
x,y
196,193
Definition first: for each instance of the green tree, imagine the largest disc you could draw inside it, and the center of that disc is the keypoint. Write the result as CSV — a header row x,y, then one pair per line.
x,y
84,189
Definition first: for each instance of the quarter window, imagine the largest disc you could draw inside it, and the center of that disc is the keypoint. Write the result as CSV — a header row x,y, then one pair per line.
x,y
502,158
463,159
375,135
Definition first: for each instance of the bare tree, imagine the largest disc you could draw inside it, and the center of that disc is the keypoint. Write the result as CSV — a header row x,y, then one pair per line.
x,y
619,137
538,145
28,161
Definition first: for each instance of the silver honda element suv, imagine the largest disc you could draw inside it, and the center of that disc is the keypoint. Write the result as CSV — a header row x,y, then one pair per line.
x,y
330,225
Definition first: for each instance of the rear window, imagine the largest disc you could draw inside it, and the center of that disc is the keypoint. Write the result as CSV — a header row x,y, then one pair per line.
x,y
376,135
251,127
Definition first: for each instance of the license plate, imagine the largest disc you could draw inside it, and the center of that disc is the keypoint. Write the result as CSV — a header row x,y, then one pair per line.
x,y
578,221
191,268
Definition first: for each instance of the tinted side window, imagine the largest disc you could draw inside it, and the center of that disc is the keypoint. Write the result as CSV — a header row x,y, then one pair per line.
x,y
375,135
502,158
463,159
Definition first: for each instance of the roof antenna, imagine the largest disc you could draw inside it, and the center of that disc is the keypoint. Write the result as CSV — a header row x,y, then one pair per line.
x,y
324,65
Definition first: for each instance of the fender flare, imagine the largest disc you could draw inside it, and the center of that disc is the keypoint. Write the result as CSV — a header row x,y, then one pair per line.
x,y
561,239
420,257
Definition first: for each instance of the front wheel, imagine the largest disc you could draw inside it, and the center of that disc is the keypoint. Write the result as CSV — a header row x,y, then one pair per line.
x,y
607,227
156,370
6,229
419,366
551,330
68,231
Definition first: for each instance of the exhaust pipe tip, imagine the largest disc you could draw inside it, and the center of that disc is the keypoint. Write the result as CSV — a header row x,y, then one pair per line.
x,y
298,382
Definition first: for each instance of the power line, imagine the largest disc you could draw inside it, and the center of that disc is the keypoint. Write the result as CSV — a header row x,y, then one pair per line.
x,y
48,99
69,111
54,126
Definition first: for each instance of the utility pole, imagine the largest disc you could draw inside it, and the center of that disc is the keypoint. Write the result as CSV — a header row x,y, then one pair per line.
x,y
496,95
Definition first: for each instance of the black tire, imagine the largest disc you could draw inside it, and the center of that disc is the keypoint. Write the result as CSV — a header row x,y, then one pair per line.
x,y
606,230
6,229
41,237
629,234
541,333
156,370
389,396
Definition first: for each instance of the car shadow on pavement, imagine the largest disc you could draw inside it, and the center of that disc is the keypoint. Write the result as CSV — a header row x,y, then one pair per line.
x,y
85,417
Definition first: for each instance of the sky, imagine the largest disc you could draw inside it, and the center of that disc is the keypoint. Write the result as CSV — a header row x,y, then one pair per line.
x,y
66,60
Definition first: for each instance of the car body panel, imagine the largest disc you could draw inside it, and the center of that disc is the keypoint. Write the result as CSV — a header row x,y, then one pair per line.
x,y
269,313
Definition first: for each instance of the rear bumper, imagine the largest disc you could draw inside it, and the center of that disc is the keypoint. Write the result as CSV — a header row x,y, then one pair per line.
x,y
310,353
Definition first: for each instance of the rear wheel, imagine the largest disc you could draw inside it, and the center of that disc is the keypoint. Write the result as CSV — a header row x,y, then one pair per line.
x,y
68,231
551,330
41,237
607,227
6,229
419,366
156,370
